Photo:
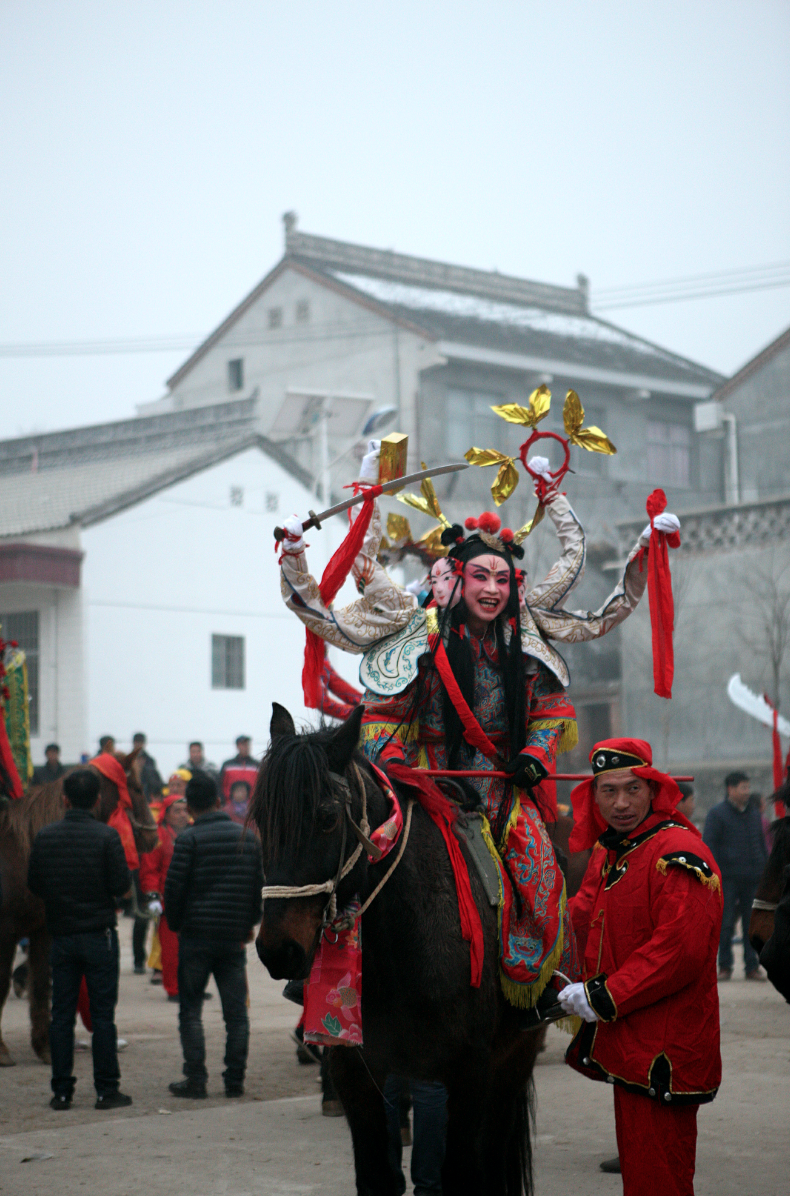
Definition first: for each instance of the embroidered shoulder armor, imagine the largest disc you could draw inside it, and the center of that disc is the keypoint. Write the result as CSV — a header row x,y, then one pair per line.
x,y
389,666
693,863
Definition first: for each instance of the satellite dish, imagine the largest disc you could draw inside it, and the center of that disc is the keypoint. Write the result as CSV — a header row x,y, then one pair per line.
x,y
379,420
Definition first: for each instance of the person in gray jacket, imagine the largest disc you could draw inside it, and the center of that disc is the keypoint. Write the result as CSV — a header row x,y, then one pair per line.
x,y
734,833
213,901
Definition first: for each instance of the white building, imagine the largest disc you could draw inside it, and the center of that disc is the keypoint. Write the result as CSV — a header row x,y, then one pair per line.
x,y
145,591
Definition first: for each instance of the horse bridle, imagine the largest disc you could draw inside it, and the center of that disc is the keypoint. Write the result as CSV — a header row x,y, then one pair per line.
x,y
360,830
768,906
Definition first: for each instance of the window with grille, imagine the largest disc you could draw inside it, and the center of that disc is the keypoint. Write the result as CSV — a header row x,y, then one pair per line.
x,y
470,421
303,311
23,626
236,374
227,662
668,453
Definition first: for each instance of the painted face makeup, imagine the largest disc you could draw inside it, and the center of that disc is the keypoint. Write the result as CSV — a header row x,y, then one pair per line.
x,y
486,587
443,579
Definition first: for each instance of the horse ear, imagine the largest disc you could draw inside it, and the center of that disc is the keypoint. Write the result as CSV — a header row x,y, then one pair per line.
x,y
344,741
282,723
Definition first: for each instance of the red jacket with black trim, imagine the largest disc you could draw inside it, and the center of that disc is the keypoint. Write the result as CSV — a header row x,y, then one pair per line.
x,y
647,919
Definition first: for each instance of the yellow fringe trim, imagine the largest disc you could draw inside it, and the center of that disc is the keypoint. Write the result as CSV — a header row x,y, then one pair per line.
x,y
525,996
570,731
710,882
569,1025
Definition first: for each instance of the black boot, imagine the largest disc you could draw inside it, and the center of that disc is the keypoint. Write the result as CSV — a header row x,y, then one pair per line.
x,y
190,1088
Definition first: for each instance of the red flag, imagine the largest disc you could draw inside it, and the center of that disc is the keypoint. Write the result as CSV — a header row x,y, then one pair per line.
x,y
662,604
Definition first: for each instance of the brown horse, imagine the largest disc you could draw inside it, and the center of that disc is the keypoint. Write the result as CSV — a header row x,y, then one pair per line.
x,y
769,890
22,914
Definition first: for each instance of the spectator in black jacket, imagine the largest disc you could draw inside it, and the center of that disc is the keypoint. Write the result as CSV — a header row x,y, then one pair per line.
x,y
734,833
213,900
77,866
53,770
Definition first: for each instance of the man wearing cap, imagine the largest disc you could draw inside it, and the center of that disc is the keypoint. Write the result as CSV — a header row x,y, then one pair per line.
x,y
647,920
243,767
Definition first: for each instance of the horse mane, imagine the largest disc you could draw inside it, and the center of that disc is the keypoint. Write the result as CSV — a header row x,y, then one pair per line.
x,y
37,808
288,789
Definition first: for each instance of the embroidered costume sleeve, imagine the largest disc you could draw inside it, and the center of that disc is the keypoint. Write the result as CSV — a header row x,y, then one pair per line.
x,y
551,719
386,727
566,573
382,609
685,913
576,626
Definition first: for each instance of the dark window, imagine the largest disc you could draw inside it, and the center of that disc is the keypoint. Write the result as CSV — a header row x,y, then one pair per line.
x,y
23,627
275,317
236,374
272,500
303,311
227,662
668,453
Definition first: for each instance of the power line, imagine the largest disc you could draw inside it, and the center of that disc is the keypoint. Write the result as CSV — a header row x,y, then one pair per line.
x,y
696,286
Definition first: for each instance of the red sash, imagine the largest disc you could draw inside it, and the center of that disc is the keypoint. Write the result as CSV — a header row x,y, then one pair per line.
x,y
473,732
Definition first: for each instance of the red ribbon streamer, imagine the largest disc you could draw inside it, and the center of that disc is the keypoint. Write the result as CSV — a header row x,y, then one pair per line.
x,y
779,767
443,814
662,604
333,577
473,732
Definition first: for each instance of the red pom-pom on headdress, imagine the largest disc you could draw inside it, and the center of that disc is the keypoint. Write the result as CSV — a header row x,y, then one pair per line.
x,y
489,522
506,535
470,524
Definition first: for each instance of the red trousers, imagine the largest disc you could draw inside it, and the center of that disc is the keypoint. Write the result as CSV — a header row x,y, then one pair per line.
x,y
657,1145
168,941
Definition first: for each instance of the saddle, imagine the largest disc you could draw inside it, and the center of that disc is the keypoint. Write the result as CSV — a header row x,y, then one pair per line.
x,y
471,828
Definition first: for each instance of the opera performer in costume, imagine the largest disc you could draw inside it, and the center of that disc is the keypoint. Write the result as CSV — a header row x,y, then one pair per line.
x,y
647,921
172,818
471,680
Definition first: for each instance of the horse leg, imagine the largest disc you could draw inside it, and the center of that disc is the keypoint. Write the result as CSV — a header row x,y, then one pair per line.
x,y
463,1173
39,986
508,1148
363,1105
7,953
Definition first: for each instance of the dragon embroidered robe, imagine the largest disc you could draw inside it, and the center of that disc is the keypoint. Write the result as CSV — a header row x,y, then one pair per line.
x,y
535,934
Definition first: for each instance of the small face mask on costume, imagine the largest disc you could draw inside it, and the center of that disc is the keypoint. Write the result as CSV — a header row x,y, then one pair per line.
x,y
486,587
443,583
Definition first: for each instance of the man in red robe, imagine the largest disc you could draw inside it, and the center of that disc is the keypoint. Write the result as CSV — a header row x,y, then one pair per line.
x,y
647,921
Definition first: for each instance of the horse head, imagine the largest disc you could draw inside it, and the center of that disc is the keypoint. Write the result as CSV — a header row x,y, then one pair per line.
x,y
141,819
306,804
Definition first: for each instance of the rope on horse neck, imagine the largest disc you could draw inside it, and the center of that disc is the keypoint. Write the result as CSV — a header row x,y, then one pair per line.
x,y
770,906
328,886
403,841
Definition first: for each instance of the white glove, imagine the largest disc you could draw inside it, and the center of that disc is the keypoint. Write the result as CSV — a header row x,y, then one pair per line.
x,y
293,543
155,907
541,465
369,467
573,999
665,522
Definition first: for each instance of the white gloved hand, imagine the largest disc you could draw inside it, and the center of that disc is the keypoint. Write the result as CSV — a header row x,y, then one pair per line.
x,y
155,907
369,467
573,999
293,543
665,522
541,465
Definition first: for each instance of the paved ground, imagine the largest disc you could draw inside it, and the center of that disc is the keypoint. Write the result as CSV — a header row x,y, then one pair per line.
x,y
274,1142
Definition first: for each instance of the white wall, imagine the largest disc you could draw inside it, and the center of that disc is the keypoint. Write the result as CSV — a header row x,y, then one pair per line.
x,y
160,579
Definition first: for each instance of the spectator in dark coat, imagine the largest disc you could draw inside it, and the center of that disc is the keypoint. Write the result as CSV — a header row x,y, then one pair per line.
x,y
77,866
197,760
734,833
213,901
52,770
150,780
242,767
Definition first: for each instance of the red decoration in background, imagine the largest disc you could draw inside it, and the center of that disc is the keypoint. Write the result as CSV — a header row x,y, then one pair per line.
x,y
662,604
780,769
334,575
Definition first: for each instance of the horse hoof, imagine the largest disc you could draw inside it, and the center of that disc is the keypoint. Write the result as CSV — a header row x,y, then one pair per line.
x,y
6,1058
331,1108
43,1055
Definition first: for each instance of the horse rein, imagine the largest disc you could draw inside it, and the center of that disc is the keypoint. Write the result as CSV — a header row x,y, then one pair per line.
x,y
362,833
768,906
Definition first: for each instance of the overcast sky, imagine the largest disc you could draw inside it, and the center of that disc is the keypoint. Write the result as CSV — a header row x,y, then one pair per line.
x,y
149,150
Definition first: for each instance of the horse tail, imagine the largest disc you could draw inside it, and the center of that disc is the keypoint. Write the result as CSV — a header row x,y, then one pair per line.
x,y
518,1161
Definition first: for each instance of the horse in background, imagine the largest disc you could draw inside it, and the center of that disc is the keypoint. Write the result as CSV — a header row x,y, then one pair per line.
x,y
22,914
421,1016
